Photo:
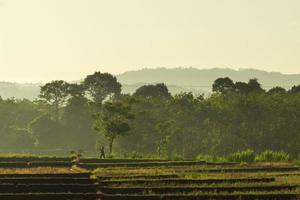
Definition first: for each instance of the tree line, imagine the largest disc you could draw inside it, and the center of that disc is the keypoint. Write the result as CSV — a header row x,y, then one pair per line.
x,y
236,116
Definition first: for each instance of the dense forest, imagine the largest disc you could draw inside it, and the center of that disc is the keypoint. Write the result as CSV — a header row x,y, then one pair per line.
x,y
70,116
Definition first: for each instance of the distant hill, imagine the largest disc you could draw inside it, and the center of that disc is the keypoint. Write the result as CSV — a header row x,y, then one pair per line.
x,y
202,79
19,90
178,80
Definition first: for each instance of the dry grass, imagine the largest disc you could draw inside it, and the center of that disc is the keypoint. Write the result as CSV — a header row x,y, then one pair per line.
x,y
41,170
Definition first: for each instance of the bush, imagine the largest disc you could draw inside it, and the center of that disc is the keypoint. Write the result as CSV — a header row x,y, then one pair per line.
x,y
209,158
242,156
271,156
176,157
135,155
76,156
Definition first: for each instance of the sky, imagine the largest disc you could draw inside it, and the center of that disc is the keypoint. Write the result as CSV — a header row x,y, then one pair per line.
x,y
43,40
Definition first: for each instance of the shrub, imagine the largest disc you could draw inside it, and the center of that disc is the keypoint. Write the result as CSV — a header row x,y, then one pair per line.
x,y
242,156
176,157
210,158
135,155
271,156
76,156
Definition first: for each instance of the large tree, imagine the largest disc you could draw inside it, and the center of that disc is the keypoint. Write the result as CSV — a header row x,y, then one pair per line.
x,y
55,93
223,85
79,123
254,86
101,85
153,91
113,121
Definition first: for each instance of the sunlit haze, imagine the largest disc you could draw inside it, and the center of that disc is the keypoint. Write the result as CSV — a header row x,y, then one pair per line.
x,y
42,40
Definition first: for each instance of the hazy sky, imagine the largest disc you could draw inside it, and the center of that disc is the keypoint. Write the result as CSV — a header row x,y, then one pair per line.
x,y
41,40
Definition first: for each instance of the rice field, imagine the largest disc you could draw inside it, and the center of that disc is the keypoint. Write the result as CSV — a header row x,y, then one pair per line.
x,y
95,179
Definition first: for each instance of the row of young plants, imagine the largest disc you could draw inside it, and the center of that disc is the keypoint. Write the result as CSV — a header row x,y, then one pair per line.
x,y
248,155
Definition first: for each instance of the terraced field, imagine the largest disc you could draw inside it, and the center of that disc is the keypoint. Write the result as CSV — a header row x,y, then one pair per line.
x,y
230,181
48,186
145,179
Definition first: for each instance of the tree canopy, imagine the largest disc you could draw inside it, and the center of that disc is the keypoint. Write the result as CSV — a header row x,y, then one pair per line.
x,y
159,90
236,116
101,85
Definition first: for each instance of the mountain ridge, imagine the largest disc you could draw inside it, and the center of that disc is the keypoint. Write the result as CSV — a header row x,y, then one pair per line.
x,y
177,79
199,77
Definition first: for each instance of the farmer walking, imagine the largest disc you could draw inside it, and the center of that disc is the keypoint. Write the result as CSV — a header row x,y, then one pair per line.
x,y
102,153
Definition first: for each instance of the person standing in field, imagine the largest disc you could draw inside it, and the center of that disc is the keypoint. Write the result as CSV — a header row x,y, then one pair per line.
x,y
102,153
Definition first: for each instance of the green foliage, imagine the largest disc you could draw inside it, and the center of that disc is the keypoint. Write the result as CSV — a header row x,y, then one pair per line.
x,y
101,85
176,157
223,85
272,156
242,156
238,115
76,90
226,85
276,90
17,140
78,122
254,86
113,121
162,147
295,89
47,132
135,155
76,156
153,91
55,93
210,158
14,117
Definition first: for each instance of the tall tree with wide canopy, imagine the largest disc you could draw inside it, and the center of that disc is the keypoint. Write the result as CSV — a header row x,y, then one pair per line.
x,y
153,91
113,121
254,86
78,120
223,85
101,85
55,93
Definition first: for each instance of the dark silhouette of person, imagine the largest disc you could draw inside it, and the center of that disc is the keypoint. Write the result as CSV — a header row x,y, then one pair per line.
x,y
102,153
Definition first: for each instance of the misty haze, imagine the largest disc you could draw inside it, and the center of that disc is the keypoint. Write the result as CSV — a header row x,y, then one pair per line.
x,y
160,99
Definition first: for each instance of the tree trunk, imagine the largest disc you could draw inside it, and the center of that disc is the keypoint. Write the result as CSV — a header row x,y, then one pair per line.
x,y
56,111
111,141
